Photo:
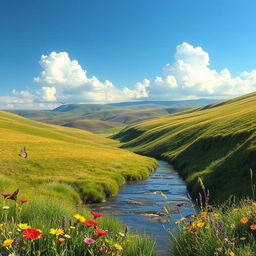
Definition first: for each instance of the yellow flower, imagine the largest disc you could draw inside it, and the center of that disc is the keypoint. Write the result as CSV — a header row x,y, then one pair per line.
x,y
231,254
23,226
216,215
203,214
6,207
57,231
177,222
254,204
7,242
1,225
61,240
79,217
183,219
199,223
244,220
118,247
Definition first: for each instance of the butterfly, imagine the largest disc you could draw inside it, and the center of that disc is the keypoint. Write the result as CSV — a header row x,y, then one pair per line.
x,y
23,153
13,196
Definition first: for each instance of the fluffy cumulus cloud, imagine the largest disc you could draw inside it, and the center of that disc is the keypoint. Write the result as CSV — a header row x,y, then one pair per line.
x,y
191,76
188,77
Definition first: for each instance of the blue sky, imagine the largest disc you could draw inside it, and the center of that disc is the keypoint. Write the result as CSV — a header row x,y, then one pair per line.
x,y
208,44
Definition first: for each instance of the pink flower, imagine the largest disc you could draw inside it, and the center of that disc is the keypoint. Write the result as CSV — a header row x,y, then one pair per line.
x,y
88,240
5,195
96,214
105,249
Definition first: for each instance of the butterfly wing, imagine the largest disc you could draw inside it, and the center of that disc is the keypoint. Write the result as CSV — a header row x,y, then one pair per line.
x,y
14,195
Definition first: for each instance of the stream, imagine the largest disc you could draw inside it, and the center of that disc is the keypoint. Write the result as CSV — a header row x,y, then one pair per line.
x,y
140,205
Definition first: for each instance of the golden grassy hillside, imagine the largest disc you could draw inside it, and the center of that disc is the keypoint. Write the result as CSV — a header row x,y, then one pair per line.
x,y
63,162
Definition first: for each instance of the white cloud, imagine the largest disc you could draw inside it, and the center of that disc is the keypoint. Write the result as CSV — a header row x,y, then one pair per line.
x,y
188,77
48,93
72,84
193,75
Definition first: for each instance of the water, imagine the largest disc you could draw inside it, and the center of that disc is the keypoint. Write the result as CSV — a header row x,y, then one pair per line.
x,y
140,205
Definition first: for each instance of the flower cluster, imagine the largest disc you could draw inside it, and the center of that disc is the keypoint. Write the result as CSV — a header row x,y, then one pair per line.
x,y
78,236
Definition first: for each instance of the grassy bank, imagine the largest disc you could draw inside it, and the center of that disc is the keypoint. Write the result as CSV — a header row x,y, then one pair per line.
x,y
216,142
65,168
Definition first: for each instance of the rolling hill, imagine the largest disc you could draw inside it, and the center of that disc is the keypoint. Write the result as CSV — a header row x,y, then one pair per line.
x,y
64,159
96,117
216,142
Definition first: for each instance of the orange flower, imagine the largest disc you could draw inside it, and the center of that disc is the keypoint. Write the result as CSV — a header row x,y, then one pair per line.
x,y
244,220
253,227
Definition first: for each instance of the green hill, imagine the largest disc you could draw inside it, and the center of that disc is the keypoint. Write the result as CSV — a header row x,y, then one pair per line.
x,y
97,117
64,159
216,142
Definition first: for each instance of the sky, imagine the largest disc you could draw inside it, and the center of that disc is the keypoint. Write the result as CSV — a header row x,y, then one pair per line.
x,y
102,51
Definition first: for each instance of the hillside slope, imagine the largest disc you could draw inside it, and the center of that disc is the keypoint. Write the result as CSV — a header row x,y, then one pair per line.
x,y
95,117
61,159
216,142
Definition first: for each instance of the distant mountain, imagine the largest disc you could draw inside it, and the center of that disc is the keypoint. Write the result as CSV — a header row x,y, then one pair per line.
x,y
96,117
197,102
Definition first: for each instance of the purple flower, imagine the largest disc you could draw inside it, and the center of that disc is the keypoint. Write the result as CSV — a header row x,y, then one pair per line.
x,y
5,194
88,240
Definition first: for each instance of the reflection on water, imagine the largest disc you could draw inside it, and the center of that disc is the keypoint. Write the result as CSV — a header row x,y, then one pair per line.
x,y
140,205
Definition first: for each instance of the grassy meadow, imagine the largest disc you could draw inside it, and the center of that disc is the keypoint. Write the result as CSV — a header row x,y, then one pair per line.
x,y
216,142
65,167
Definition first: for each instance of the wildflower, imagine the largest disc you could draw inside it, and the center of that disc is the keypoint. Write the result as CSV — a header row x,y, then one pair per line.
x,y
231,254
244,220
79,218
89,240
23,226
61,240
96,214
57,231
6,207
254,204
24,201
253,227
31,233
90,223
118,247
200,224
177,222
101,232
216,215
183,219
5,195
1,225
67,236
203,214
7,242
105,249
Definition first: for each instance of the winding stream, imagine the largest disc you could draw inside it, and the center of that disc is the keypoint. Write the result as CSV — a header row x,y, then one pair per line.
x,y
140,205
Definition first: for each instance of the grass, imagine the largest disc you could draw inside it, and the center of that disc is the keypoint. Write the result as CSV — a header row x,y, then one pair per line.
x,y
216,142
65,168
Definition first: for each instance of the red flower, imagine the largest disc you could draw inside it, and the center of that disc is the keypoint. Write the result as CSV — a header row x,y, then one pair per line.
x,y
96,214
90,223
101,232
24,201
31,233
